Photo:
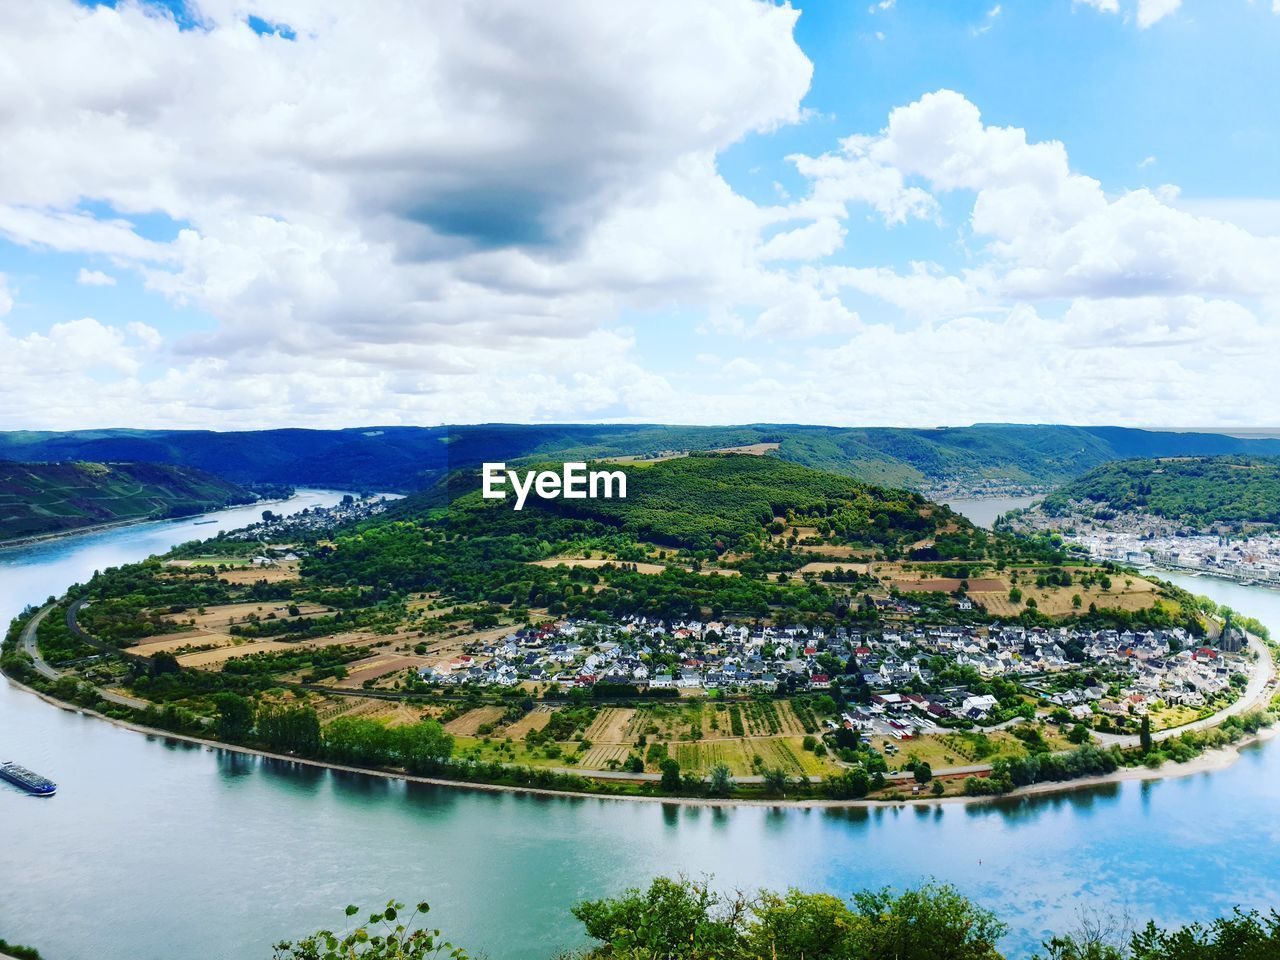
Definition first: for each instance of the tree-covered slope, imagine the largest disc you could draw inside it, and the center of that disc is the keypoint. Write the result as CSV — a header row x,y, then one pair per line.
x,y
710,501
722,510
1197,491
41,498
409,458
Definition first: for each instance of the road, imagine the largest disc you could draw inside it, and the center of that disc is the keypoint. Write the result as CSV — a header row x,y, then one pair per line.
x,y
45,670
1258,692
29,644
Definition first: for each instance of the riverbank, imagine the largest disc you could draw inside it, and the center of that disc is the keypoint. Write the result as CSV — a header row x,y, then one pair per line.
x,y
91,528
1207,762
56,535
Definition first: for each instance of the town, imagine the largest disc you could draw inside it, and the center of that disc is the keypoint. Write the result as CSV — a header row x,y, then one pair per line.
x,y
1143,540
897,680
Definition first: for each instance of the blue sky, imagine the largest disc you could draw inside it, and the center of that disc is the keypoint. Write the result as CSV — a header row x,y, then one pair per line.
x,y
250,213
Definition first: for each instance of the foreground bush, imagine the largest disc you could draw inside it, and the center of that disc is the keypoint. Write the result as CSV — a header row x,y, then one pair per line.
x,y
680,919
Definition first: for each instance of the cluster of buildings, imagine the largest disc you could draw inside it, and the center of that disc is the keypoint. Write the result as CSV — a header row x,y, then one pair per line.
x,y
1141,540
895,666
313,519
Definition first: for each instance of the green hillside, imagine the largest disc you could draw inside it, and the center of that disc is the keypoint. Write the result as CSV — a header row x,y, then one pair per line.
x,y
700,501
739,515
1199,492
43,498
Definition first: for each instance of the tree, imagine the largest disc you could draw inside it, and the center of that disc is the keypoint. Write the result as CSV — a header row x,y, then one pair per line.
x,y
1078,734
1144,734
923,772
164,662
934,921
721,783
383,937
1015,595
670,768
235,715
1241,936
673,919
776,781
815,926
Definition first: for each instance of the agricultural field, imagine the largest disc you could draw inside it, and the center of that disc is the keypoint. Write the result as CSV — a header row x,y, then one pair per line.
x,y
748,757
536,719
1127,592
224,615
614,725
376,667
1166,717
593,563
470,722
830,566
950,585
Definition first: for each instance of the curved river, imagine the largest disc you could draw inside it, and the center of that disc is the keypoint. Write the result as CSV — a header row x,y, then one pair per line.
x,y
155,850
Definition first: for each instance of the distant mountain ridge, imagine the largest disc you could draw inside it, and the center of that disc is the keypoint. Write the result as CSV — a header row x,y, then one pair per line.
x,y
403,459
43,498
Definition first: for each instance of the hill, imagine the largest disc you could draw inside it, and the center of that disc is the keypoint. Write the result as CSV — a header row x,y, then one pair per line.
x,y
1199,492
43,498
403,459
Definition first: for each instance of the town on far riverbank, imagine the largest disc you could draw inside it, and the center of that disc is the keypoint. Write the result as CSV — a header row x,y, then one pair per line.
x,y
1215,516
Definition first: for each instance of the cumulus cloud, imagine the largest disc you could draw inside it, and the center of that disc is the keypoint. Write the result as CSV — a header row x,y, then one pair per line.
x,y
398,218
1153,11
811,242
485,145
94,278
1052,232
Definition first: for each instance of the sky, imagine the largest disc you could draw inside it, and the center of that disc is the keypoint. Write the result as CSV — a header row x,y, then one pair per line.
x,y
237,214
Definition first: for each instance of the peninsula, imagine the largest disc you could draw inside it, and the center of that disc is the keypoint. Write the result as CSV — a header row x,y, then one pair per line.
x,y
737,627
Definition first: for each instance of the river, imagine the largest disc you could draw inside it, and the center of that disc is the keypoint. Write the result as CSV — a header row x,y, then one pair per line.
x,y
156,850
984,510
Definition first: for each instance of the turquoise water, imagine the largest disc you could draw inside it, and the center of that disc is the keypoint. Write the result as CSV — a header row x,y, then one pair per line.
x,y
154,849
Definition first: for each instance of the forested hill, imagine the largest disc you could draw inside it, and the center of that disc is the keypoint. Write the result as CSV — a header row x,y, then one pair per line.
x,y
748,518
42,498
408,458
1200,492
716,502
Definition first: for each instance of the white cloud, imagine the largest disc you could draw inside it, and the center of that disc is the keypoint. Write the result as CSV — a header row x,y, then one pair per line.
x,y
811,242
6,298
459,234
1055,233
470,174
988,22
851,176
1105,6
1153,11
94,278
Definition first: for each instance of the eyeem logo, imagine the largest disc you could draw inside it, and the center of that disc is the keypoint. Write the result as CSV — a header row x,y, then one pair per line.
x,y
574,482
